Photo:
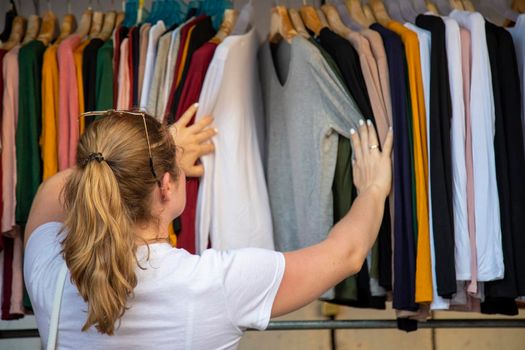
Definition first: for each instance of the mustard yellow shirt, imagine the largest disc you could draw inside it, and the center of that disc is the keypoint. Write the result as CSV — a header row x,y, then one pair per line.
x,y
49,135
423,265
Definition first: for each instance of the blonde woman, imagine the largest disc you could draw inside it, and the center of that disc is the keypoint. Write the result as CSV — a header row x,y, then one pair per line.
x,y
104,224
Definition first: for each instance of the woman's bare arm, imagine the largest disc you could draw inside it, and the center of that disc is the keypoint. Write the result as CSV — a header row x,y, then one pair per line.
x,y
311,271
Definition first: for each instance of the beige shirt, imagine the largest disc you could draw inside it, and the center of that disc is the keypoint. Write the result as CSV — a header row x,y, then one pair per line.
x,y
155,105
124,86
144,37
378,50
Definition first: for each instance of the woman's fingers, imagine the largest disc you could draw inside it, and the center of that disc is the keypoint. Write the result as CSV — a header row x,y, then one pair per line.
x,y
373,143
206,148
205,135
186,117
195,171
363,134
201,124
356,144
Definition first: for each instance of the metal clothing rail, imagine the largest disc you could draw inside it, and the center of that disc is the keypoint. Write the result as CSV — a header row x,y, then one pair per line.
x,y
341,324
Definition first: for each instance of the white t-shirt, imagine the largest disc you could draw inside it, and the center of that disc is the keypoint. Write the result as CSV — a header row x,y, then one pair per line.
x,y
233,208
181,301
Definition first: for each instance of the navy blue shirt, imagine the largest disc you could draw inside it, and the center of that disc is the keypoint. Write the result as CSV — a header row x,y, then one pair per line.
x,y
404,242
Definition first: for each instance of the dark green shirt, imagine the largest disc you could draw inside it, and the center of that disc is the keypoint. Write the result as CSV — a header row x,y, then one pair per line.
x,y
104,84
28,161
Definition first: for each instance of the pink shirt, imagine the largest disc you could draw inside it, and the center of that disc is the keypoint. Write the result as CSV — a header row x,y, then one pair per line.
x,y
9,120
466,63
124,86
68,109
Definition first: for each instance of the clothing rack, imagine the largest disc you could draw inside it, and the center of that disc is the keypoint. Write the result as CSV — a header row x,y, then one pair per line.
x,y
340,324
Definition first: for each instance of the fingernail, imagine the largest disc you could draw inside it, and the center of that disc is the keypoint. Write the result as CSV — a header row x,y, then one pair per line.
x,y
390,128
352,131
369,122
216,130
196,105
361,122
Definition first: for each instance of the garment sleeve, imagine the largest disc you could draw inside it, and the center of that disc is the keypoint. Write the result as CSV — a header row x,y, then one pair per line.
x,y
41,259
251,279
343,113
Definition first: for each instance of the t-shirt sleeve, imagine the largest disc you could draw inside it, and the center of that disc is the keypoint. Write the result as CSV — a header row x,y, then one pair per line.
x,y
42,259
342,111
251,279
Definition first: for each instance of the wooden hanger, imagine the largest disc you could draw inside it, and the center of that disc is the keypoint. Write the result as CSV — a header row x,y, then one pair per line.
x,y
468,5
33,28
336,24
298,23
518,6
368,13
311,19
228,22
49,29
356,12
380,12
431,7
85,23
322,18
280,25
456,5
69,25
96,24
17,33
108,26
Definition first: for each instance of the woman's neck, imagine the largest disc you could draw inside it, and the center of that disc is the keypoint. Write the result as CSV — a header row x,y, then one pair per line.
x,y
150,233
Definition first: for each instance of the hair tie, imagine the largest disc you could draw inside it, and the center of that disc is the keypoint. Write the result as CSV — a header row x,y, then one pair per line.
x,y
95,156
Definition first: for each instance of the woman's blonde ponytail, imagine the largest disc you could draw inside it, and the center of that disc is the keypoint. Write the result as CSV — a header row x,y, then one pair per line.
x,y
104,197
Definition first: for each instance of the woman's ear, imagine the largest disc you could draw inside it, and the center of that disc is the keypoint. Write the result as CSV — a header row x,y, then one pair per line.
x,y
165,186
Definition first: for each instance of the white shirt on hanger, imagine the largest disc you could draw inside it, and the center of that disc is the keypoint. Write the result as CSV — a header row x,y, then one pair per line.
x,y
488,229
233,207
153,40
457,138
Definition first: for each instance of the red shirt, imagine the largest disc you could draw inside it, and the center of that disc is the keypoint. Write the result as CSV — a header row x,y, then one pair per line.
x,y
199,64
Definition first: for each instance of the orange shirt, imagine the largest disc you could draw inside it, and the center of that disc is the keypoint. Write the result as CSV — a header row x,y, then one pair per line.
x,y
49,135
419,135
77,54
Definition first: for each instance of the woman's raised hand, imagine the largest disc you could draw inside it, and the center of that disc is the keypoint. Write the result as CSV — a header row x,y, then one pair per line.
x,y
193,140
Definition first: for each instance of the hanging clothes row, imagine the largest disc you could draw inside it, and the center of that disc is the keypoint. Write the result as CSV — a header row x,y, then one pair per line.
x,y
450,235
51,75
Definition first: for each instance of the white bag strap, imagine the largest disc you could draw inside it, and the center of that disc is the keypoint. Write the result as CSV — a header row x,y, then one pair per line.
x,y
53,323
